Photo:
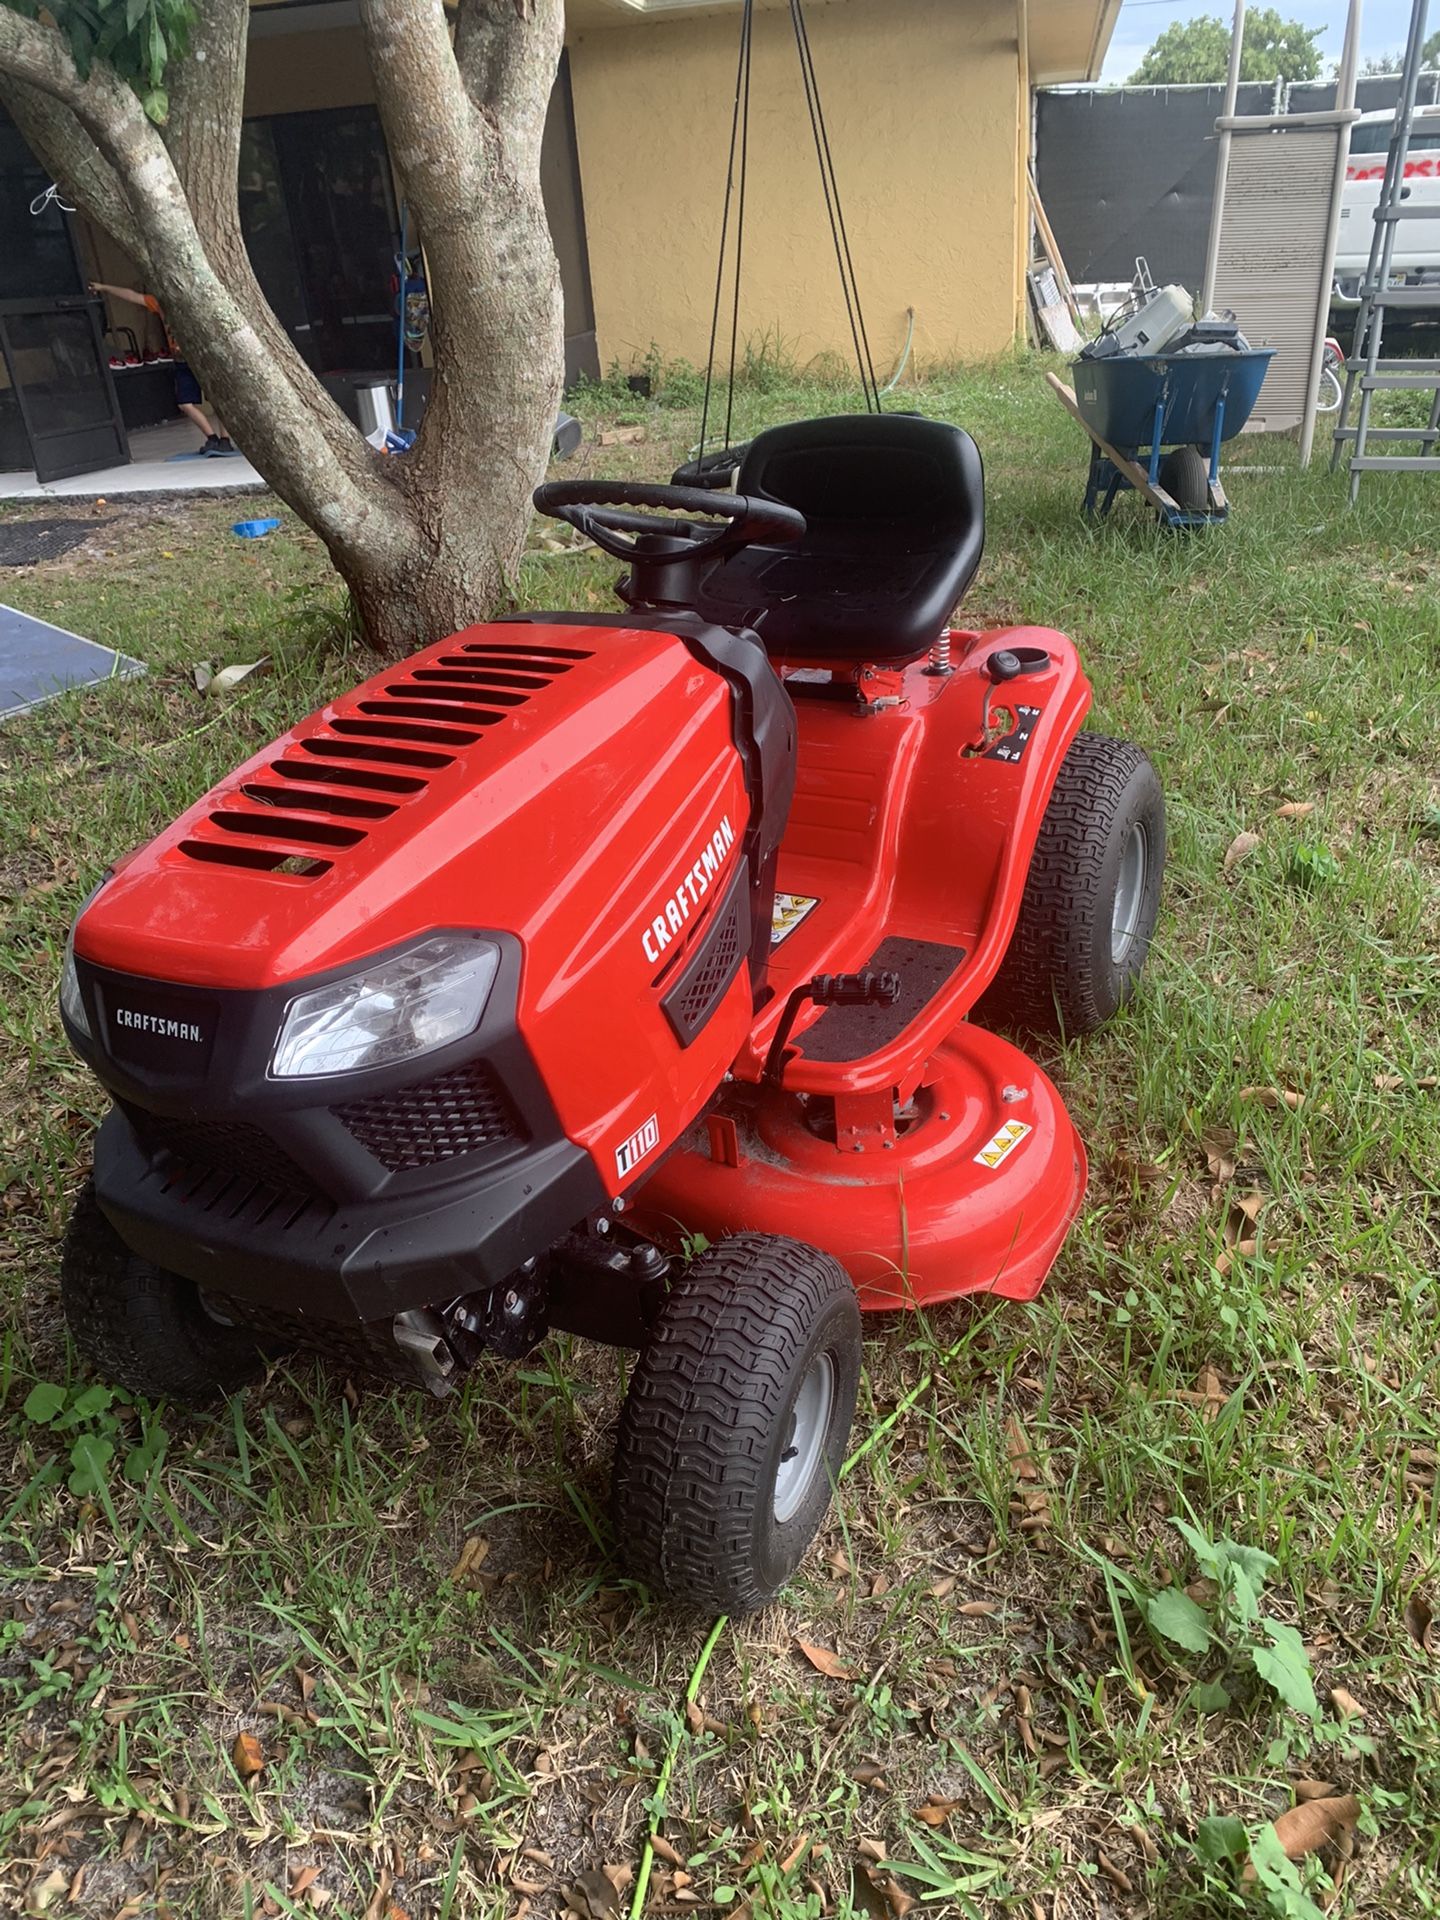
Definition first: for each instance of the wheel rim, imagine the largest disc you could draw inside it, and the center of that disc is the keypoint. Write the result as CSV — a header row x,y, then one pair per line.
x,y
1129,893
805,1443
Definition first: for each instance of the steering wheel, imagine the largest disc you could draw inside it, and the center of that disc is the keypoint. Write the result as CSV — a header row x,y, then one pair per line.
x,y
595,508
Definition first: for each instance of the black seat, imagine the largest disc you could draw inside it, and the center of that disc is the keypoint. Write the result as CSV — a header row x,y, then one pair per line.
x,y
895,513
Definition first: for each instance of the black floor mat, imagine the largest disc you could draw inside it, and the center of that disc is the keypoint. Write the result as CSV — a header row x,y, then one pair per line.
x,y
849,1033
24,543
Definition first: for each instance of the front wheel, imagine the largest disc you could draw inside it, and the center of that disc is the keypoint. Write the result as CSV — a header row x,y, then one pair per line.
x,y
1185,476
1092,895
736,1422
142,1327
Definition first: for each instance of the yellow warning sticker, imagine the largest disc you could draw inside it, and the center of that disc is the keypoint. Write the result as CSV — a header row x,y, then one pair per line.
x,y
790,910
1003,1145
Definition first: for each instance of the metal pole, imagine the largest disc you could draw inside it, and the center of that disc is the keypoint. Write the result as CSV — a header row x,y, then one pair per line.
x,y
1344,103
1222,162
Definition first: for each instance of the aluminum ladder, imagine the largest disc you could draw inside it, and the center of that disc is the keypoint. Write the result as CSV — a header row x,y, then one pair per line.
x,y
1367,372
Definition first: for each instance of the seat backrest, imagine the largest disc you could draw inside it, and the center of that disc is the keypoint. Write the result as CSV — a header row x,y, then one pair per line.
x,y
869,467
895,523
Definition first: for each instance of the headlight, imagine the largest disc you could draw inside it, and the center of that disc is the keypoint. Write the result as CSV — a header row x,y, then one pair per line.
x,y
71,1002
404,1007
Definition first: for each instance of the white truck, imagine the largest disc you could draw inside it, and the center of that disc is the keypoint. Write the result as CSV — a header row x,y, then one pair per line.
x,y
1416,260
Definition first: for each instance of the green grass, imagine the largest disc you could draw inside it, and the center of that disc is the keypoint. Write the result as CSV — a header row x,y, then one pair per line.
x,y
448,1749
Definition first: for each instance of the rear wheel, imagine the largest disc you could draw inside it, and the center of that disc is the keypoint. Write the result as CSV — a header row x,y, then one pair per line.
x,y
141,1327
1091,898
736,1423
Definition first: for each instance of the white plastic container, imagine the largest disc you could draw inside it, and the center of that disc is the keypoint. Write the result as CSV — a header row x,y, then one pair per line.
x,y
1167,313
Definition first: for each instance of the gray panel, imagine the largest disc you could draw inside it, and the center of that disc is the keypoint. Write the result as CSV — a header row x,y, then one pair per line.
x,y
37,661
1131,170
1272,252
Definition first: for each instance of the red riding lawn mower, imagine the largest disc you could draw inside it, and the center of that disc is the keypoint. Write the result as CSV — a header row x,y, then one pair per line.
x,y
614,974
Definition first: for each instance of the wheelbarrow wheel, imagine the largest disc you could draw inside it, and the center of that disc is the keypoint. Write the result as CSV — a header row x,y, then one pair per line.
x,y
1185,476
1091,897
141,1327
736,1422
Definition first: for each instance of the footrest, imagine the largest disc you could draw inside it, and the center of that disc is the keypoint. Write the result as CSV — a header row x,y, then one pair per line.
x,y
847,1033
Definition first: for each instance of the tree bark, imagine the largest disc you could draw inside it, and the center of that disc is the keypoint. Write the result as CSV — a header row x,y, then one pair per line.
x,y
431,541
468,163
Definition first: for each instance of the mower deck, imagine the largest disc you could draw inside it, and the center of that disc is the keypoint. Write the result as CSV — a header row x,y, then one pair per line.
x,y
974,1190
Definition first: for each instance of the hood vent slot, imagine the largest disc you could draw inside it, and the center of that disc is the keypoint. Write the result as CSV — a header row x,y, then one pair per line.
x,y
341,775
366,777
309,800
390,756
269,825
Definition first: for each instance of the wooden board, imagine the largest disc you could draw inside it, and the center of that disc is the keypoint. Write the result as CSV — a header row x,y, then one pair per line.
x,y
1132,470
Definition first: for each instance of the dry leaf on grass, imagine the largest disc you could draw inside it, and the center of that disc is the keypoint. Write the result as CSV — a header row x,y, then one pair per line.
x,y
1313,1790
824,1661
978,1610
869,1773
1017,1446
1220,1158
1393,1082
248,1755
881,1893
1315,1823
622,437
1239,847
1345,1703
1295,810
1207,1394
303,1881
472,1558
936,1811
1272,1097
596,1892
1115,1875
1420,1621
1239,1234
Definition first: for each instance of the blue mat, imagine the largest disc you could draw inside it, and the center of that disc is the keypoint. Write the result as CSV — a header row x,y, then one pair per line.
x,y
37,661
233,454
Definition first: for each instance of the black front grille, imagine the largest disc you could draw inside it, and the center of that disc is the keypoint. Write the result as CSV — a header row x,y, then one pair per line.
x,y
219,1146
457,1112
712,967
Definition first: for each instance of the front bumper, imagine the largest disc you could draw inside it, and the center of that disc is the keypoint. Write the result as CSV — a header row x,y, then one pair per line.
x,y
342,1200
311,1257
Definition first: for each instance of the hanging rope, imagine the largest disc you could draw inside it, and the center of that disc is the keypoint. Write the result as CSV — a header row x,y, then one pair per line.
x,y
736,181
741,147
830,185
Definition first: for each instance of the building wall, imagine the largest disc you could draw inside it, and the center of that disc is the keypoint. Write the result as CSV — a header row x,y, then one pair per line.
x,y
922,99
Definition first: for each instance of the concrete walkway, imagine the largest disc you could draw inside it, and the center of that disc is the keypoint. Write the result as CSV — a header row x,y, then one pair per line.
x,y
162,460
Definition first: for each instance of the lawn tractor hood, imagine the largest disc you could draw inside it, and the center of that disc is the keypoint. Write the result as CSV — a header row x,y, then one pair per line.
x,y
379,959
516,777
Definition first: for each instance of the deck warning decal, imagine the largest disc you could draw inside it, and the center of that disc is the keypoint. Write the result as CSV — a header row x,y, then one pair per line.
x,y
790,910
1003,1145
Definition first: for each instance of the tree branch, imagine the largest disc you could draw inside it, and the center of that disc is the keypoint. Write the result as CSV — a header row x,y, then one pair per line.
x,y
330,478
470,171
62,145
509,50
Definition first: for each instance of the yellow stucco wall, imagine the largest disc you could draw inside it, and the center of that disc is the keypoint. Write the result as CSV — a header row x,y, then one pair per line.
x,y
923,98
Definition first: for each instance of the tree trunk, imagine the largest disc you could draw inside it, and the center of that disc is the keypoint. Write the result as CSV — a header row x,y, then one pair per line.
x,y
429,541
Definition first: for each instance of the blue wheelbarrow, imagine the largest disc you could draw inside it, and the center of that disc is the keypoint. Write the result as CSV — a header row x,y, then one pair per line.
x,y
1158,424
